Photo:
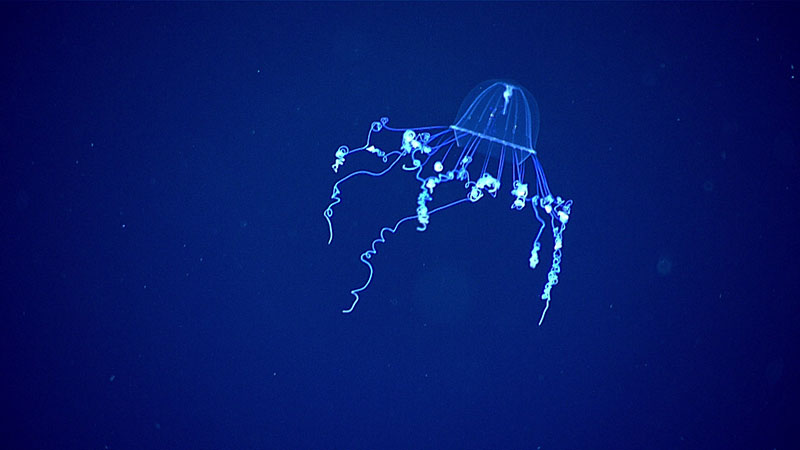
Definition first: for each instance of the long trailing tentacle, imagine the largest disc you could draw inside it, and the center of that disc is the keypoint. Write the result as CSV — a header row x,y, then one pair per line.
x,y
367,255
559,210
328,213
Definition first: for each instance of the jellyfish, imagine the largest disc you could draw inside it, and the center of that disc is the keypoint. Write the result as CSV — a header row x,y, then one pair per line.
x,y
496,128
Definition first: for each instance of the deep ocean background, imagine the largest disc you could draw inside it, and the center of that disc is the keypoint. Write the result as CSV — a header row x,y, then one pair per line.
x,y
165,275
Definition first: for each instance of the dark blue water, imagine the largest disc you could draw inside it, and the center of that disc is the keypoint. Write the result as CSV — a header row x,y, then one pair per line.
x,y
167,283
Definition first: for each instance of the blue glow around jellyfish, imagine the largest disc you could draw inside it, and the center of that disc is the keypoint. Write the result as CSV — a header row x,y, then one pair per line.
x,y
497,126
